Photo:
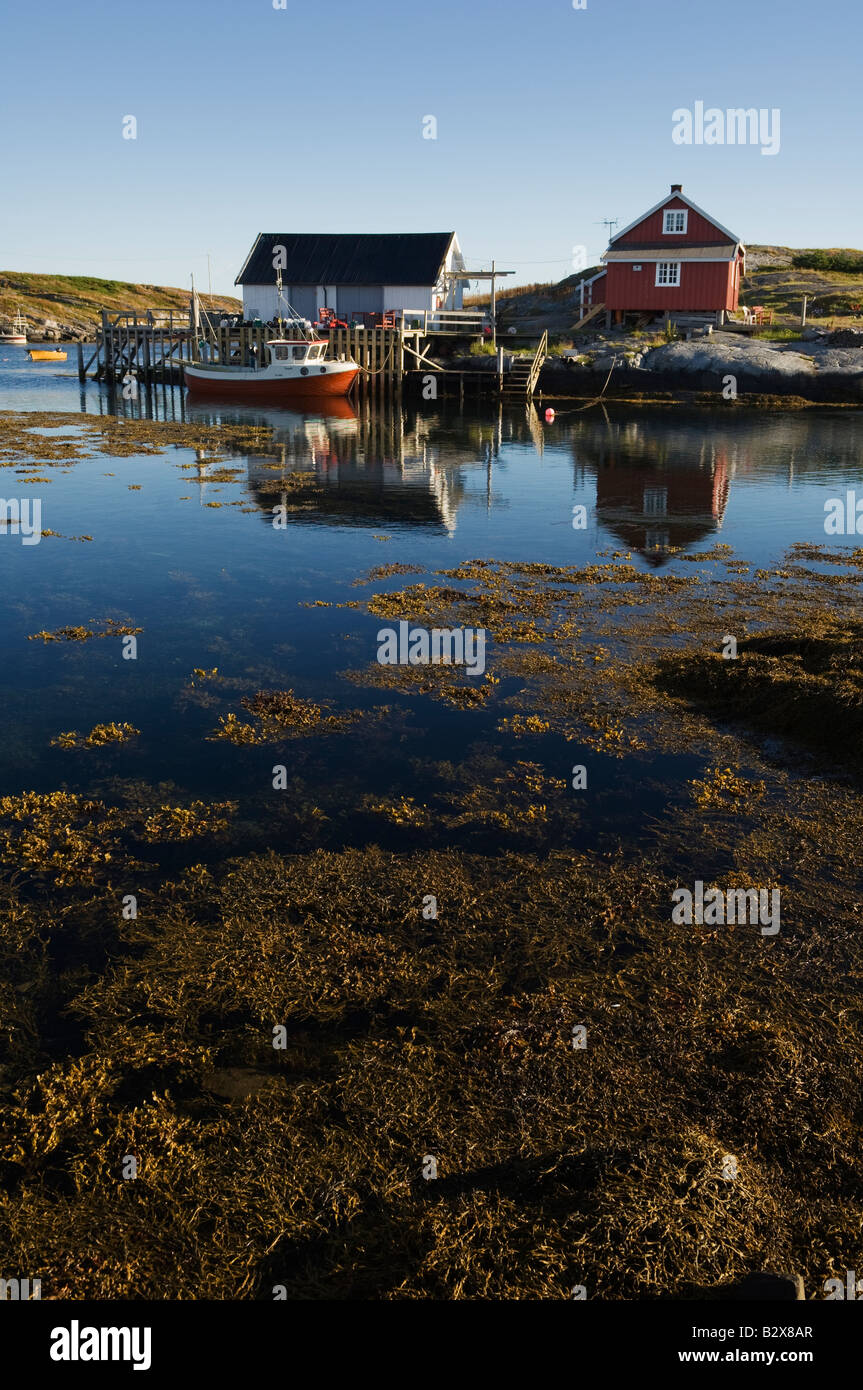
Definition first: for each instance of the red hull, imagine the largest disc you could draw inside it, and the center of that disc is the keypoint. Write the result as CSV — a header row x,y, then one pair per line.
x,y
311,388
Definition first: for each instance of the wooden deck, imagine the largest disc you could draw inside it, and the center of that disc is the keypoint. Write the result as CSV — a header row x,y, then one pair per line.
x,y
153,348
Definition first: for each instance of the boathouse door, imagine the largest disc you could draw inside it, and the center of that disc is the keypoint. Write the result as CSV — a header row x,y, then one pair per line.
x,y
304,298
360,299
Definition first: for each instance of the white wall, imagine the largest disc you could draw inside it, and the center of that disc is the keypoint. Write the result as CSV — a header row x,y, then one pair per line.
x,y
454,261
408,297
262,300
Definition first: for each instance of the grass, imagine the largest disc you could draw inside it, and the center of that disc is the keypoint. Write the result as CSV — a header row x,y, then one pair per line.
x,y
778,334
79,299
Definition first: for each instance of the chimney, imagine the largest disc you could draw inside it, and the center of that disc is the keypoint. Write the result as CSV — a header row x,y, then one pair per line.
x,y
677,188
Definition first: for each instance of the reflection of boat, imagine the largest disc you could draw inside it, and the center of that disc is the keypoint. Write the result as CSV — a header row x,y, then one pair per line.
x,y
325,407
296,370
17,333
46,355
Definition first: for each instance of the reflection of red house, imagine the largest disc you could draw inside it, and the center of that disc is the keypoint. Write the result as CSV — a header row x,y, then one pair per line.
x,y
673,259
659,510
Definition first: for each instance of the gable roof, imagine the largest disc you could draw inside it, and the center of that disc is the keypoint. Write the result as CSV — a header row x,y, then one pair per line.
x,y
669,197
340,258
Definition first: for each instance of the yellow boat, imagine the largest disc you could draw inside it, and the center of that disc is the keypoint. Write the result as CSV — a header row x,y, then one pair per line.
x,y
46,355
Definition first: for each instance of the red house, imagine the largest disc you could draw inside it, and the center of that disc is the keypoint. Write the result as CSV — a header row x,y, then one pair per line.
x,y
674,259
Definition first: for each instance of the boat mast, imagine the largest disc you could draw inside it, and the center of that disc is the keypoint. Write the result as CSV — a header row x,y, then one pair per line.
x,y
196,316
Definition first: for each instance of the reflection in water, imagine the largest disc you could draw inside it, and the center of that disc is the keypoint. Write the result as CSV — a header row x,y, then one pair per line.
x,y
655,479
373,467
664,477
659,495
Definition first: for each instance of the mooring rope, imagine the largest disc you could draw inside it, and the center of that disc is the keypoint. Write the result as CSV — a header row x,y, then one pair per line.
x,y
367,371
578,409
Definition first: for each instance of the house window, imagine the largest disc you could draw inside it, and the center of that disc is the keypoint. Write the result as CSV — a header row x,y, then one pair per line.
x,y
674,221
668,272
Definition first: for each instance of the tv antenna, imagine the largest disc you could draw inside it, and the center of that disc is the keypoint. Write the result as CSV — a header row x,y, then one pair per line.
x,y
609,222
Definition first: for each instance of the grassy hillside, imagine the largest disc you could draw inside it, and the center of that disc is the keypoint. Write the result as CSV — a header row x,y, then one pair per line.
x,y
779,276
76,301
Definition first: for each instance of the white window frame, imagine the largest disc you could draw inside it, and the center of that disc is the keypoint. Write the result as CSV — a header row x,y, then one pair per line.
x,y
668,284
674,213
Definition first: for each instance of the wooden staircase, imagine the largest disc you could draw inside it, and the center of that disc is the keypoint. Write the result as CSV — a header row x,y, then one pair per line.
x,y
520,381
585,318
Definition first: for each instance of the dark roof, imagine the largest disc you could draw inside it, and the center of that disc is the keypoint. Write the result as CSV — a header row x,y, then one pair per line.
x,y
393,258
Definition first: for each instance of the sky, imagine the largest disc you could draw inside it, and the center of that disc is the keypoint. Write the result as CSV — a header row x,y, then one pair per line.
x,y
311,117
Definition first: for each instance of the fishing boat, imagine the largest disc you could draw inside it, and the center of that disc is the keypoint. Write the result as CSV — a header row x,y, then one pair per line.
x,y
46,355
294,367
17,333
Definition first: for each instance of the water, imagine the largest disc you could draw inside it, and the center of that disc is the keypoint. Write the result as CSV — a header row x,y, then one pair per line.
x,y
218,586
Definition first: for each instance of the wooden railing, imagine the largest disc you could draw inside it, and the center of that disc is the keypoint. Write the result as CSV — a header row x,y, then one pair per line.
x,y
536,366
449,321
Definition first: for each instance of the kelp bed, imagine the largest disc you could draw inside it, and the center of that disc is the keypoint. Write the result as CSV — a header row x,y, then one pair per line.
x,y
431,993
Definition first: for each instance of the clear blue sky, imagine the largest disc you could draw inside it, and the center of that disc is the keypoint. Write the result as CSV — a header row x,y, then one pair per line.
x,y
310,119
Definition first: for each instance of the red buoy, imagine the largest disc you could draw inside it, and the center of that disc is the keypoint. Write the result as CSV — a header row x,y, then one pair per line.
x,y
549,415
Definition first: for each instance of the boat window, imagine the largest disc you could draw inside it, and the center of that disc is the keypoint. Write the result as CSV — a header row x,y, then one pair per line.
x,y
300,353
282,354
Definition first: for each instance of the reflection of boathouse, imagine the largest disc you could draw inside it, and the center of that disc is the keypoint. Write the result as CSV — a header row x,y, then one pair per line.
x,y
660,497
376,469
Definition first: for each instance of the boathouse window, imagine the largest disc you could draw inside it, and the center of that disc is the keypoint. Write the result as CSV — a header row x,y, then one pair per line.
x,y
674,221
668,272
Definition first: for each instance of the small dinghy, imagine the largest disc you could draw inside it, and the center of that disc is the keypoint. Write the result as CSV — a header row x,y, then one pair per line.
x,y
46,355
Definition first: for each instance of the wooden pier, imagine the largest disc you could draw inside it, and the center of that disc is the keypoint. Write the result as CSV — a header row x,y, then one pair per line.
x,y
153,348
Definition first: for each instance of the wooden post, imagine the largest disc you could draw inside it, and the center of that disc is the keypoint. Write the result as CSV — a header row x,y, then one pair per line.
x,y
493,311
803,311
108,337
82,375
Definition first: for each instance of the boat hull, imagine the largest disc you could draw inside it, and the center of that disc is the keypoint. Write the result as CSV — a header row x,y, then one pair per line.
x,y
13,338
47,356
258,386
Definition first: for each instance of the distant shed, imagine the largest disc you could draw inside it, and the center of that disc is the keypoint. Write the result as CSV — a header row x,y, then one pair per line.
x,y
352,273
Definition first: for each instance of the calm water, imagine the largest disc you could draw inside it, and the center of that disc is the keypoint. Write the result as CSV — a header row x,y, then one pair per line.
x,y
219,586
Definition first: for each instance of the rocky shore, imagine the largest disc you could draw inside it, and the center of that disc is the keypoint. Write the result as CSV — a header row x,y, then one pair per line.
x,y
822,367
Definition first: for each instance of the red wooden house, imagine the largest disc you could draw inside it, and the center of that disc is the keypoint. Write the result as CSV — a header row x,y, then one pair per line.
x,y
675,259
